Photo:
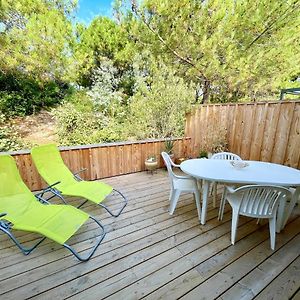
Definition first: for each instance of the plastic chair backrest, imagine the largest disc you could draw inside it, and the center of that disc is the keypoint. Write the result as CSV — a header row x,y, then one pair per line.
x,y
167,160
226,155
15,196
51,166
258,200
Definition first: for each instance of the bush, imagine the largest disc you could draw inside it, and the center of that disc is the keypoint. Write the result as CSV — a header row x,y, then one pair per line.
x,y
80,127
21,95
160,102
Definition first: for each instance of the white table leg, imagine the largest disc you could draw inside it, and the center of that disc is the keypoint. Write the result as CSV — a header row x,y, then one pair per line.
x,y
205,191
290,207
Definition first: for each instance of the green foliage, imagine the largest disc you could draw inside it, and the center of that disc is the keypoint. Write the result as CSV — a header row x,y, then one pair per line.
x,y
38,38
143,70
75,127
22,95
102,40
78,126
234,50
160,101
169,145
203,154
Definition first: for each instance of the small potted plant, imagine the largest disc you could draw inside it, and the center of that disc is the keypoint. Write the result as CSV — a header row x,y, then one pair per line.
x,y
203,154
169,145
151,163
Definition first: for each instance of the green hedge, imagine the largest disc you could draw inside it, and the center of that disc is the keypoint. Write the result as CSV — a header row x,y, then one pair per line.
x,y
20,95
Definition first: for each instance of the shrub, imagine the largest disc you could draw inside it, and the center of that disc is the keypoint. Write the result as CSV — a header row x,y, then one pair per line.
x,y
21,95
160,102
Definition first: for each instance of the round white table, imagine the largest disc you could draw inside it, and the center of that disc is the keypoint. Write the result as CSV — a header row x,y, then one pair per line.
x,y
256,173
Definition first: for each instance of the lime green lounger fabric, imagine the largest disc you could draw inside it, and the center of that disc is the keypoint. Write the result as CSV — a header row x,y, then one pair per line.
x,y
51,167
57,222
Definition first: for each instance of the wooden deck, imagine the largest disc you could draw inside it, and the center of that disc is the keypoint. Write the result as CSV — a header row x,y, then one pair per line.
x,y
149,254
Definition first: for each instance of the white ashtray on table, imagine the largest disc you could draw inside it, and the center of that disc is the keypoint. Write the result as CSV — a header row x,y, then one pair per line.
x,y
239,164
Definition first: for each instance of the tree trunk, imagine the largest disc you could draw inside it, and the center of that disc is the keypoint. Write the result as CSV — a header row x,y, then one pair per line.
x,y
206,91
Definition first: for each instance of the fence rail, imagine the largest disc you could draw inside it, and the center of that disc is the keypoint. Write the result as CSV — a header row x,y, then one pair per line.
x,y
102,160
266,131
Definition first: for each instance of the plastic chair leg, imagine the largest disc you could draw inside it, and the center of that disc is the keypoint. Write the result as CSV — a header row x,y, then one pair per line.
x,y
215,188
222,205
174,200
272,227
197,199
171,194
234,223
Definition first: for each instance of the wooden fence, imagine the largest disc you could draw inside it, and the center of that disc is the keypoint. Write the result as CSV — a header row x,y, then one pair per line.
x,y
266,131
102,160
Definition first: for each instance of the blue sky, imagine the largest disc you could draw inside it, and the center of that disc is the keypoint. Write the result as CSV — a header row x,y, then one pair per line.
x,y
88,9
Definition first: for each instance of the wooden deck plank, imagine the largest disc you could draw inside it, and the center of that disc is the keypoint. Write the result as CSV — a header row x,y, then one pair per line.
x,y
209,247
252,284
227,277
130,231
207,267
149,254
285,286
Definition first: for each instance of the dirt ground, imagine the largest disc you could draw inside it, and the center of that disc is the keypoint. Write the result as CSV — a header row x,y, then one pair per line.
x,y
37,129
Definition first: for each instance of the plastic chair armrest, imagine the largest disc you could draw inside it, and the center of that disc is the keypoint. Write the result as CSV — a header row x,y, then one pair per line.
x,y
175,165
183,177
230,189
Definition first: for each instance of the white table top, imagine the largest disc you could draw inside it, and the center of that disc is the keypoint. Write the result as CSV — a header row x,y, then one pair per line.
x,y
256,173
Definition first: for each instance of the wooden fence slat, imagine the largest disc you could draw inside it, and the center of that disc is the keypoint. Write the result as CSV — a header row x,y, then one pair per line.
x,y
258,130
292,157
266,131
282,132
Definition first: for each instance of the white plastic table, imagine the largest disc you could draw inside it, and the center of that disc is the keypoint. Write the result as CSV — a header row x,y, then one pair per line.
x,y
256,173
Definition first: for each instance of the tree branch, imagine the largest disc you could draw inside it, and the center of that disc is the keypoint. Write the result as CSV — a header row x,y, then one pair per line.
x,y
160,38
271,24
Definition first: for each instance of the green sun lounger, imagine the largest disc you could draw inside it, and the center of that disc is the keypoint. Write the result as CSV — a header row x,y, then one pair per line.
x,y
21,210
62,182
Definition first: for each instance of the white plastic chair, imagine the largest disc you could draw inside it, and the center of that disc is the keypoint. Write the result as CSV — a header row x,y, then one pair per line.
x,y
226,156
257,201
180,184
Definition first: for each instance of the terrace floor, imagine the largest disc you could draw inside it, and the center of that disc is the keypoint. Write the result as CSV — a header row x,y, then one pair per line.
x,y
149,254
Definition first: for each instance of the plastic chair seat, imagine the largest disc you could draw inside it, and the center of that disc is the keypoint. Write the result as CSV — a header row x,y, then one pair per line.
x,y
187,184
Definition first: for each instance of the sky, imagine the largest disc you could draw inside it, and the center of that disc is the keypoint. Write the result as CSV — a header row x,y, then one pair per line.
x,y
88,9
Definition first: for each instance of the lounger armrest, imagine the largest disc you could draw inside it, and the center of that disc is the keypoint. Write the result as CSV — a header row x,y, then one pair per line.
x,y
4,223
80,171
52,185
40,195
2,215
